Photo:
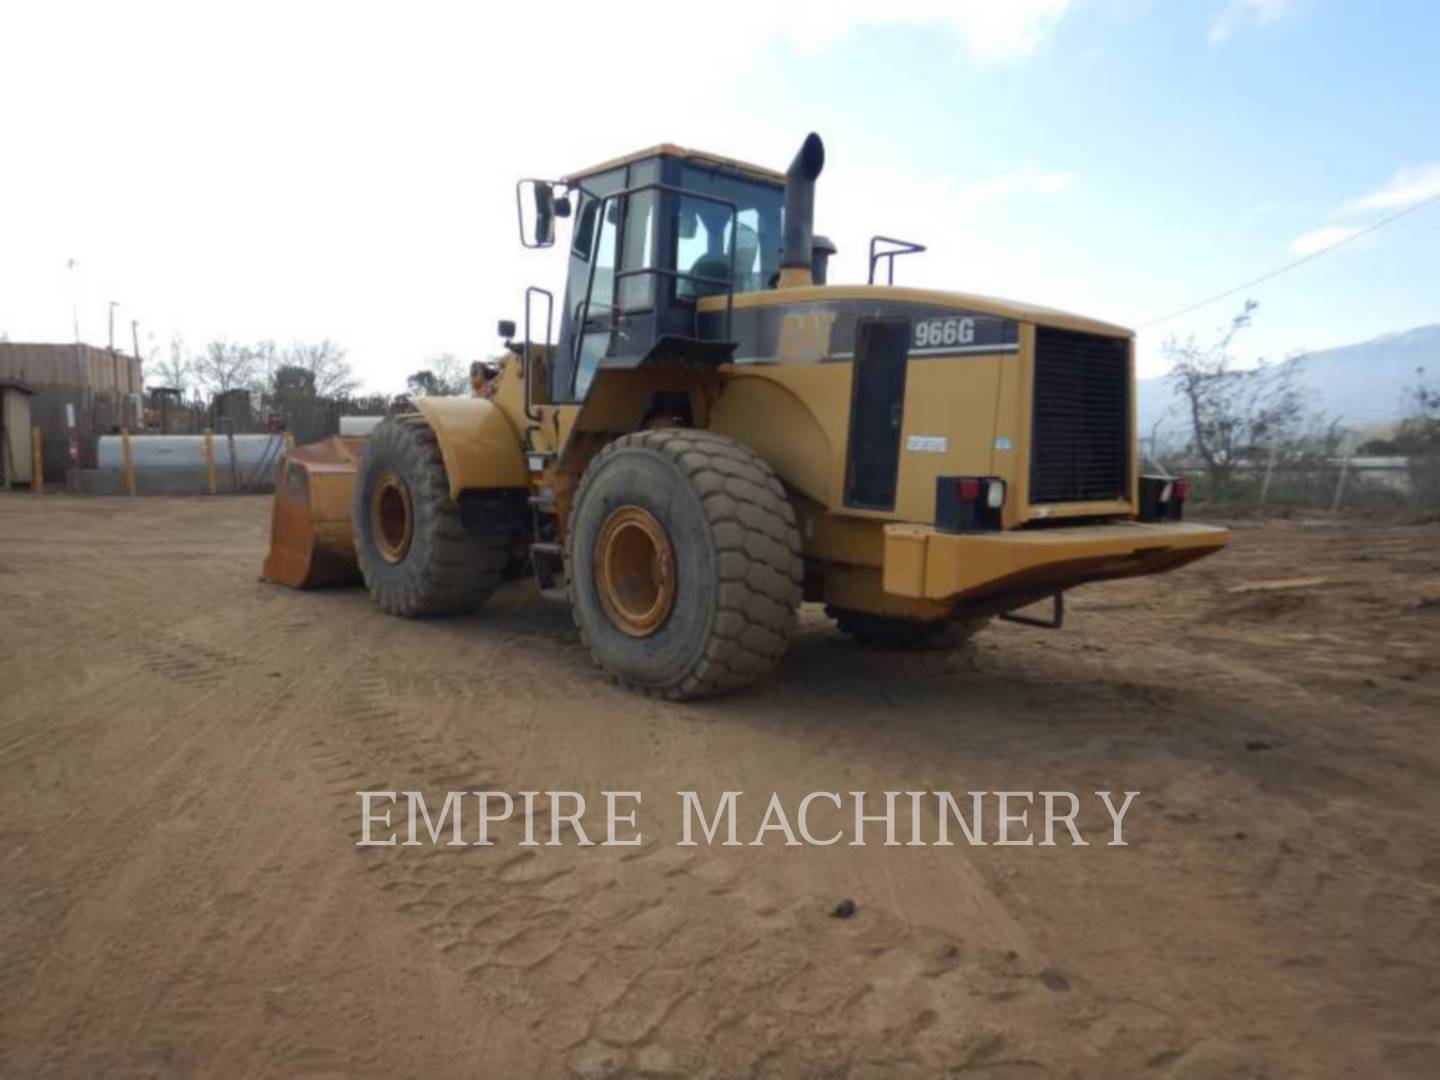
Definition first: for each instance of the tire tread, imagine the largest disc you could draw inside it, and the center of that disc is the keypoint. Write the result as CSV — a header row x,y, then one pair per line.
x,y
464,569
757,546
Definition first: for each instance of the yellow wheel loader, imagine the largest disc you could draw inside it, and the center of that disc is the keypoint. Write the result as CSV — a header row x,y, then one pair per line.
x,y
715,434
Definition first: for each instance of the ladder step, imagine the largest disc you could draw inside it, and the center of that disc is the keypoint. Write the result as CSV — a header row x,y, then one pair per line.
x,y
548,561
545,500
559,594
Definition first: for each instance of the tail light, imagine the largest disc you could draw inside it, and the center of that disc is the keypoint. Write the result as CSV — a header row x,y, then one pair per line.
x,y
1162,498
968,503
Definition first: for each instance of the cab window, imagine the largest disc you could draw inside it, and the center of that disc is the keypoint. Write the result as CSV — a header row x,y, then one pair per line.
x,y
704,242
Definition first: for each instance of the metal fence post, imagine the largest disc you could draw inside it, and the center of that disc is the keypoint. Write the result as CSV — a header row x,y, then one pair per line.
x,y
1269,472
1340,485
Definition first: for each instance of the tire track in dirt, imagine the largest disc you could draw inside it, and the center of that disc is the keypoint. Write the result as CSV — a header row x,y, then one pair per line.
x,y
666,960
182,893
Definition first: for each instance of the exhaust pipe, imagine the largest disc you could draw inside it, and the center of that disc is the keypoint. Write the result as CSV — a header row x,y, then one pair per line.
x,y
796,253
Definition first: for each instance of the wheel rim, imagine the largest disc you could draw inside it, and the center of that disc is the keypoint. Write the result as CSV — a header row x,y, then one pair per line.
x,y
392,518
635,571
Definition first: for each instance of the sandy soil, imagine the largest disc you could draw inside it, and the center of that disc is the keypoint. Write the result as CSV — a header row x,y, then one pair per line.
x,y
180,747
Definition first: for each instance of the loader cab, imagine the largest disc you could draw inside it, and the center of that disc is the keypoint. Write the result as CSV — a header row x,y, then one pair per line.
x,y
652,234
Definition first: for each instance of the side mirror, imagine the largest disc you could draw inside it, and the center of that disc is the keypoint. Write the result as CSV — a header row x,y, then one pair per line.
x,y
506,329
537,229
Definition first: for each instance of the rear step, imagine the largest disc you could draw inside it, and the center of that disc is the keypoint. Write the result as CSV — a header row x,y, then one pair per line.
x,y
548,561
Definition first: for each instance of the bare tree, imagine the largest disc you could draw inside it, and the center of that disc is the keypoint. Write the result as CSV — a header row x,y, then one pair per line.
x,y
1235,413
177,371
267,360
324,360
444,375
422,384
1422,408
224,366
1418,431
1417,438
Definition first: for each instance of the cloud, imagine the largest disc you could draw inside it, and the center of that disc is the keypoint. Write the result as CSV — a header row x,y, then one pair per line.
x,y
989,30
1317,240
1408,187
1239,15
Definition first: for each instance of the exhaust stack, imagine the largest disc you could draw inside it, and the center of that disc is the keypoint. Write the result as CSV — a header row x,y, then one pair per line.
x,y
796,254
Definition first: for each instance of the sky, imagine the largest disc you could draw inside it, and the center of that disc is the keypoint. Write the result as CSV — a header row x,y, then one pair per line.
x,y
306,169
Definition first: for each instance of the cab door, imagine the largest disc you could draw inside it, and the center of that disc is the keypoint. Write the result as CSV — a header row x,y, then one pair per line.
x,y
610,234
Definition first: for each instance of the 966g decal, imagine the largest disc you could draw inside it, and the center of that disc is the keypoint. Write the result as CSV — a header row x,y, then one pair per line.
x,y
932,332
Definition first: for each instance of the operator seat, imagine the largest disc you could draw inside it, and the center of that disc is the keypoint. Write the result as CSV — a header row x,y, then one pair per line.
x,y
710,266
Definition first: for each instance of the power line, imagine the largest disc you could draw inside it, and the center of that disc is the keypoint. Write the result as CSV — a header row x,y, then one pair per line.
x,y
1292,265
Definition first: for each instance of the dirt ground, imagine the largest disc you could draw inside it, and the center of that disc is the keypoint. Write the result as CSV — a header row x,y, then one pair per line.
x,y
181,894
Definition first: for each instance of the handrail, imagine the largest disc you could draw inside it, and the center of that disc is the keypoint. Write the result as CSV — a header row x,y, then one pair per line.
x,y
531,413
903,247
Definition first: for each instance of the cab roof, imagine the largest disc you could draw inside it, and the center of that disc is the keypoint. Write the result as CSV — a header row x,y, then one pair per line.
x,y
698,157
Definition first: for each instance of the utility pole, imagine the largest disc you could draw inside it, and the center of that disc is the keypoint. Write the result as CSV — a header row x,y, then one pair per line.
x,y
72,266
113,305
139,366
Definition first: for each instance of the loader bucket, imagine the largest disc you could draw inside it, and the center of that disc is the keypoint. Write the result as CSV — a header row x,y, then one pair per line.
x,y
312,543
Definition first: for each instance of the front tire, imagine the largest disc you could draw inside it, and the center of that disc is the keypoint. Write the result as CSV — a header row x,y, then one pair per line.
x,y
414,555
684,563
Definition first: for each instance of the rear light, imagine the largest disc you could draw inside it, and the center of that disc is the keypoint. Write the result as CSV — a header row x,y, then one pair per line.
x,y
1162,498
968,503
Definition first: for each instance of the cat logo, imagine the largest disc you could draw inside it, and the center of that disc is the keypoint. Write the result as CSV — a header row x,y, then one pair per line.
x,y
806,335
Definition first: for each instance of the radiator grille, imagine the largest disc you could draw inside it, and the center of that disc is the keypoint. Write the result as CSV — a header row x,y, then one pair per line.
x,y
1080,424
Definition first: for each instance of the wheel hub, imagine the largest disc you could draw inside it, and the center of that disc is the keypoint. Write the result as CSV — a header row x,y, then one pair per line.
x,y
392,517
635,571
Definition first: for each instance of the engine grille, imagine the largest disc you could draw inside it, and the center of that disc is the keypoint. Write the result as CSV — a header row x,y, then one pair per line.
x,y
1080,424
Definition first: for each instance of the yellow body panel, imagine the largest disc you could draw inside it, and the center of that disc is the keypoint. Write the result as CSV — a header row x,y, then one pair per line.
x,y
478,442
989,305
979,402
792,415
923,563
795,410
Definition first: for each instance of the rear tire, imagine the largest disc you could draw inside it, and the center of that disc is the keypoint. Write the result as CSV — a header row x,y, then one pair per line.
x,y
684,564
414,555
887,632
